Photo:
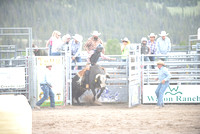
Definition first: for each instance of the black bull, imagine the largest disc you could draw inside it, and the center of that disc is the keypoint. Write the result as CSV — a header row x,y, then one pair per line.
x,y
97,80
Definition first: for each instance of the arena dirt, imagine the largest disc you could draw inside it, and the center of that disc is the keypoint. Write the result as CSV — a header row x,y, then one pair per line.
x,y
117,119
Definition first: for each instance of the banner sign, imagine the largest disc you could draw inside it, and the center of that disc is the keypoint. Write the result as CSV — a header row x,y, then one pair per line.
x,y
58,78
173,94
13,77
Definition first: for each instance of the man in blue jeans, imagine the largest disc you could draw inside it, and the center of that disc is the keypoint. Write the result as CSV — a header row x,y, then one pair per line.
x,y
163,78
46,87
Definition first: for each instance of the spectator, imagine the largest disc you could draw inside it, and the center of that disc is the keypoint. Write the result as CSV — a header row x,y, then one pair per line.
x,y
125,48
76,46
153,47
56,44
49,42
163,78
46,86
35,50
93,42
66,39
163,44
145,50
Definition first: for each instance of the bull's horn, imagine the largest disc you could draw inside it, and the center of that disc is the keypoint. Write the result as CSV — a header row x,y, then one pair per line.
x,y
107,75
98,75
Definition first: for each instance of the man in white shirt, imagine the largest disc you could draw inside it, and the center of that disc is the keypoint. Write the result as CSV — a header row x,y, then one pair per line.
x,y
46,86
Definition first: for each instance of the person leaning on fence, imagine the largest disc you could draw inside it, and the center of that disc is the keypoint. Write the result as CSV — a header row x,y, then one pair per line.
x,y
66,40
49,42
163,78
92,43
35,50
153,47
76,46
145,50
46,86
56,44
163,44
125,48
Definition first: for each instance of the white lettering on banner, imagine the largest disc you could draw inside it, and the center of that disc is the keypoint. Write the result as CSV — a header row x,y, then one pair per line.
x,y
173,94
12,77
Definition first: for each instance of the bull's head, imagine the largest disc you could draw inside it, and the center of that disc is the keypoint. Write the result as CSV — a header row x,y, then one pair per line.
x,y
101,79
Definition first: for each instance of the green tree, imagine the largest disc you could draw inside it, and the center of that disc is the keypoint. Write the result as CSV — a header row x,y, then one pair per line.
x,y
113,47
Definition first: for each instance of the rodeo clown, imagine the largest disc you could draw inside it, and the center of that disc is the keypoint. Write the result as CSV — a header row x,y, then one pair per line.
x,y
163,78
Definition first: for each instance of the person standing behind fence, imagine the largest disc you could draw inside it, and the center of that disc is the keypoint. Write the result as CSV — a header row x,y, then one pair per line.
x,y
145,49
163,44
163,78
92,43
125,48
49,42
153,47
46,86
66,40
76,46
56,44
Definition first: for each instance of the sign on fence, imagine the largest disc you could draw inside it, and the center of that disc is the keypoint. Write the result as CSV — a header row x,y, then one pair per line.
x,y
58,78
173,94
12,77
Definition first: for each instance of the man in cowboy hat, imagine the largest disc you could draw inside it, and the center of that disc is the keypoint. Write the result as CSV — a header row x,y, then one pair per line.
x,y
163,43
66,40
125,48
76,46
93,42
46,86
153,47
163,78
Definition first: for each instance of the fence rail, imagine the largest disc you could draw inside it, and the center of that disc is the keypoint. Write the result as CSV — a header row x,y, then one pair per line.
x,y
185,69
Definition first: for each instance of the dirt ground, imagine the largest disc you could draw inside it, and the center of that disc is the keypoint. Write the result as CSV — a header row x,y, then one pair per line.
x,y
117,118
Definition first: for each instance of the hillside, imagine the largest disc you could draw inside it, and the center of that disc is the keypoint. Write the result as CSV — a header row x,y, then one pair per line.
x,y
115,19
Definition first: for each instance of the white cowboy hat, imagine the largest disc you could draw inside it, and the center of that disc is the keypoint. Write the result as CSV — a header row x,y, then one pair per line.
x,y
160,62
78,37
125,39
152,35
163,33
67,36
144,39
95,33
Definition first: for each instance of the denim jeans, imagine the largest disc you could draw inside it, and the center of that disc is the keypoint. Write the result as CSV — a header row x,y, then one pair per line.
x,y
47,92
160,92
55,54
50,47
78,59
146,58
152,58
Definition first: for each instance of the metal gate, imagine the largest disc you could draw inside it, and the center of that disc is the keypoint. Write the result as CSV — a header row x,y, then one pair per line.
x,y
13,42
135,79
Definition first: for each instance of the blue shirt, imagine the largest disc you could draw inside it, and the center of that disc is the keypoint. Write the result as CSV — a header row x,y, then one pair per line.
x,y
75,48
163,46
164,74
